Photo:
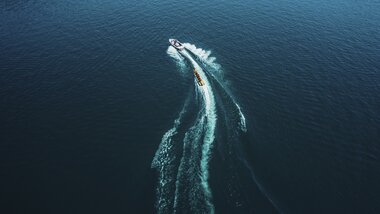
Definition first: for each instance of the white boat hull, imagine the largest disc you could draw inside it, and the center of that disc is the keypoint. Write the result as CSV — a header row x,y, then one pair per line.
x,y
176,44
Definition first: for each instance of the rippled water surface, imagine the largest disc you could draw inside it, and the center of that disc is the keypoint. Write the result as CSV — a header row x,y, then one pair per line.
x,y
99,115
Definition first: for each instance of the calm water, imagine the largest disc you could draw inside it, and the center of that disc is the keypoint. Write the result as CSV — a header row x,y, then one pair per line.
x,y
89,92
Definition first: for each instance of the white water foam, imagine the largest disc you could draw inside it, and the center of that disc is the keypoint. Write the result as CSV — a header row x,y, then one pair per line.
x,y
204,57
210,114
165,156
162,161
187,168
242,123
193,172
180,62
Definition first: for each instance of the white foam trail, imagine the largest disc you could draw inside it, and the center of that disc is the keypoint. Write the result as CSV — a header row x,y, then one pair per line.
x,y
203,55
172,52
205,58
166,139
209,137
192,136
162,161
192,163
164,157
242,123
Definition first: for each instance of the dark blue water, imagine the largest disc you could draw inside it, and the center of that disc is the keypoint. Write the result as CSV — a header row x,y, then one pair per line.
x,y
88,90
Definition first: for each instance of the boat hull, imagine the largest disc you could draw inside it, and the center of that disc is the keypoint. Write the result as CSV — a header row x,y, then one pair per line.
x,y
176,44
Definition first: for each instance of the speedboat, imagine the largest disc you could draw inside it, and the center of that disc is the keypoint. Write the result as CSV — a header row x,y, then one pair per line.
x,y
176,44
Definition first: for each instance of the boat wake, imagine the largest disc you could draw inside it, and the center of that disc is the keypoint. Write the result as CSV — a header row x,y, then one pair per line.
x,y
178,58
184,178
217,74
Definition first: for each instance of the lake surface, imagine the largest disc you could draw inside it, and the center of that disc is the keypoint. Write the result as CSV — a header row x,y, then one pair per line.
x,y
99,115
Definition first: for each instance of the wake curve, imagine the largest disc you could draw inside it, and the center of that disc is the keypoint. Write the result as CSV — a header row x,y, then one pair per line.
x,y
184,183
162,161
210,115
164,158
204,57
178,58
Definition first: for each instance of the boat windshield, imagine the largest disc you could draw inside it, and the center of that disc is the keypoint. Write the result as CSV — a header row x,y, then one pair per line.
x,y
176,43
